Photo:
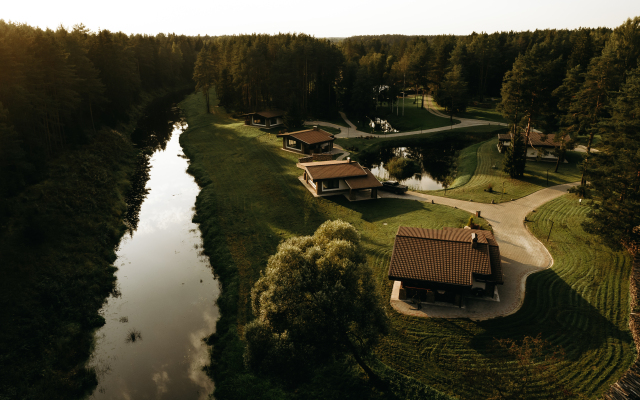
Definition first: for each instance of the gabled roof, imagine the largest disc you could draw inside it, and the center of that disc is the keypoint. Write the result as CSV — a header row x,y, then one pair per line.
x,y
536,139
333,169
363,182
310,136
444,256
268,114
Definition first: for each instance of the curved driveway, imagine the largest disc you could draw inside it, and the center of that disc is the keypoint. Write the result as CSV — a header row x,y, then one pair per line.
x,y
521,253
354,132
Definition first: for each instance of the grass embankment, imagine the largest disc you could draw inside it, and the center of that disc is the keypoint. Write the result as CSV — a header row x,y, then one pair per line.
x,y
580,304
485,175
57,247
250,200
485,111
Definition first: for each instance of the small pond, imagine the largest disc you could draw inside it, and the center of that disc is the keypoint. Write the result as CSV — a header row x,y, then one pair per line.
x,y
434,162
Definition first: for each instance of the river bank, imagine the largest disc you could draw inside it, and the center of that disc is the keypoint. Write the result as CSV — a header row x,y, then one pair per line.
x,y
57,248
250,200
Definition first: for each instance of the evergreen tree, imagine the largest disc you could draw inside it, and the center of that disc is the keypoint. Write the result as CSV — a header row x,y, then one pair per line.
x,y
452,93
204,73
615,171
516,156
293,118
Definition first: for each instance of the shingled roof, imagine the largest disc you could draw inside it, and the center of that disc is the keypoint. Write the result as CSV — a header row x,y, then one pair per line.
x,y
536,139
333,169
268,114
444,256
310,136
363,182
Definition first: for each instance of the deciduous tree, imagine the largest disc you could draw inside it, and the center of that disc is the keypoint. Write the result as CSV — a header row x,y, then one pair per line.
x,y
316,300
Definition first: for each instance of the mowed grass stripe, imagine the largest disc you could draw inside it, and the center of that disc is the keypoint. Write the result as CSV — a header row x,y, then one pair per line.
x,y
535,177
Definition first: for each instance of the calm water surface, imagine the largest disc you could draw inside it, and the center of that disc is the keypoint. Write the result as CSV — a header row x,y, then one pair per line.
x,y
151,346
435,161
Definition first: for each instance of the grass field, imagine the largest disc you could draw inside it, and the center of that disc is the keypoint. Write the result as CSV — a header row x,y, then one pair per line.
x,y
334,119
535,177
487,113
414,119
580,304
251,200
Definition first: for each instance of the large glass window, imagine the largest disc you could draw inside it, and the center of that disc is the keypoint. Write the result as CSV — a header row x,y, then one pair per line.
x,y
331,184
294,144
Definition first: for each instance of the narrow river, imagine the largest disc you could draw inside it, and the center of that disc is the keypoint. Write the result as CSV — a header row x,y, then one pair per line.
x,y
151,346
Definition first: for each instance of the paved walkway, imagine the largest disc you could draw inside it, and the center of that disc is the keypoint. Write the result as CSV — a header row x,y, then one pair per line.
x,y
521,253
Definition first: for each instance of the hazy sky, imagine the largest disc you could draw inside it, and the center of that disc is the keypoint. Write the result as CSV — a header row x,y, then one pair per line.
x,y
324,18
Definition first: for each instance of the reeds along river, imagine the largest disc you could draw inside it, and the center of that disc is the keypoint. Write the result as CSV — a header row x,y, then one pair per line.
x,y
151,346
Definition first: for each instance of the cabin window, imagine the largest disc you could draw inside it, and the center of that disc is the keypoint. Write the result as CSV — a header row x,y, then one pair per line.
x,y
331,184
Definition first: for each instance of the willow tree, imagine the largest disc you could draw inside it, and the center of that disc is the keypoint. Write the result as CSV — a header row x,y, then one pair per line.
x,y
316,300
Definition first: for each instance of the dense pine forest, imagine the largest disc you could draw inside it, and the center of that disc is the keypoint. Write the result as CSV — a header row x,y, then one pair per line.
x,y
70,98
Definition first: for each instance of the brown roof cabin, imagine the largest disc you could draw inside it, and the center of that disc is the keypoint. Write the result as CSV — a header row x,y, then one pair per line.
x,y
445,265
538,145
265,119
309,141
327,178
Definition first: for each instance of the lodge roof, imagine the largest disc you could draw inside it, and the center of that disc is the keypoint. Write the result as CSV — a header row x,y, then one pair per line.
x,y
268,114
310,136
333,169
537,139
363,182
445,256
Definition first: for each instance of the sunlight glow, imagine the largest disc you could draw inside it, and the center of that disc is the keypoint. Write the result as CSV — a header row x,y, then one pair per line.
x,y
332,18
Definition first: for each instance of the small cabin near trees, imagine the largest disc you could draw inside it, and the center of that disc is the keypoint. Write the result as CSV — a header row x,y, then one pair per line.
x,y
325,178
540,146
265,119
445,265
309,141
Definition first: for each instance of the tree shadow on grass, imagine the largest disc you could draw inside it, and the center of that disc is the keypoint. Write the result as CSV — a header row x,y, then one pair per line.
x,y
561,315
380,209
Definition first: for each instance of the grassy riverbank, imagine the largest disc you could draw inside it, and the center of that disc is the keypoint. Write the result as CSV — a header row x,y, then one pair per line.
x,y
251,199
56,252
485,176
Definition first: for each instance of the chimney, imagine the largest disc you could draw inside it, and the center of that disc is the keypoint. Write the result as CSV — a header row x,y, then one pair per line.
x,y
474,240
315,127
348,159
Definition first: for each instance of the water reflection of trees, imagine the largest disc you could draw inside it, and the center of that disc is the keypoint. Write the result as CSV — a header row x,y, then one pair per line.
x,y
153,133
436,159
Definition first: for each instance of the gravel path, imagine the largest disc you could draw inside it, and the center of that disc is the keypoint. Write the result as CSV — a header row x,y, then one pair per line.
x,y
521,253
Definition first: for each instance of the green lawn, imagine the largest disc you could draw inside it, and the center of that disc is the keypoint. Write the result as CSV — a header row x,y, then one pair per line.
x,y
251,199
484,111
364,144
414,119
580,304
335,118
535,177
